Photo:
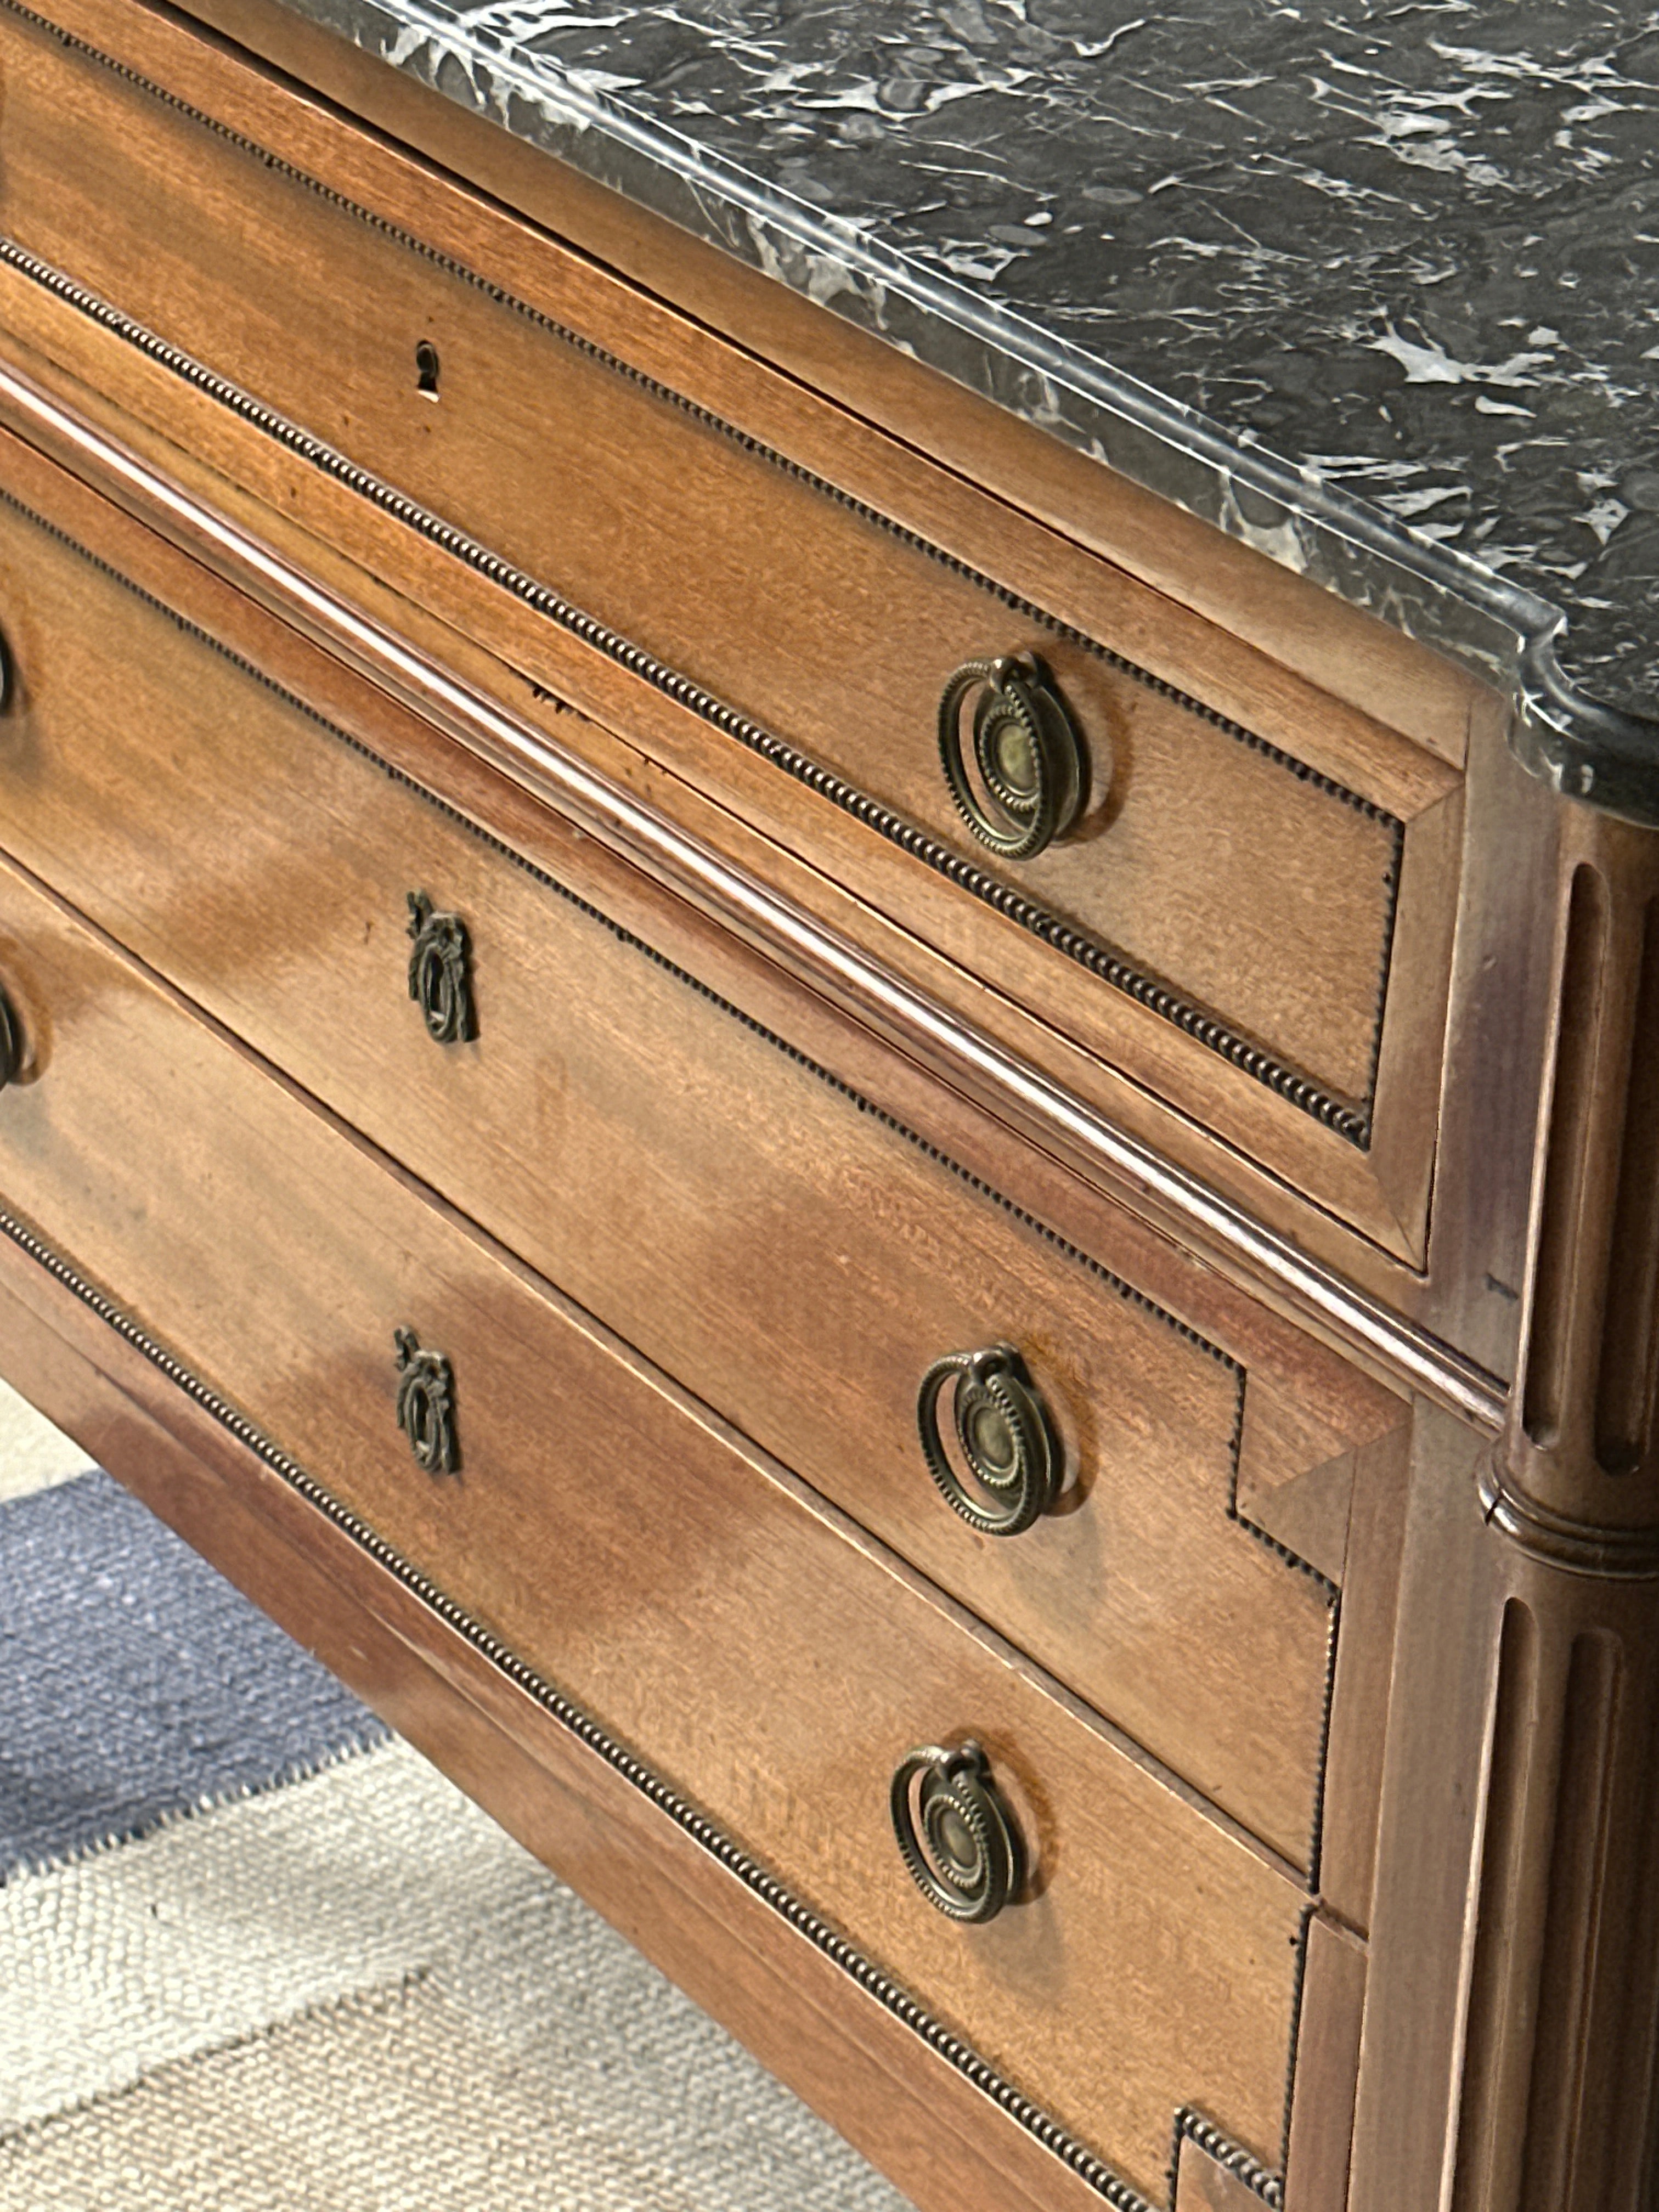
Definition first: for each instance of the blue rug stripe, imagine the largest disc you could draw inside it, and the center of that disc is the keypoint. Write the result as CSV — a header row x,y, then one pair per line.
x,y
139,1683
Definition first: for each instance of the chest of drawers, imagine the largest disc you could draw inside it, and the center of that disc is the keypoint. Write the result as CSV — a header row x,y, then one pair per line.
x,y
920,1207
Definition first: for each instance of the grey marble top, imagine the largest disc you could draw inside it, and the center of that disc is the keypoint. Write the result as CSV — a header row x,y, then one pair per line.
x,y
1374,287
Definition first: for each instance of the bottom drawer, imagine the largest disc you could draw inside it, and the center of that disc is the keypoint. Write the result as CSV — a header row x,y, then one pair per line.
x,y
765,1659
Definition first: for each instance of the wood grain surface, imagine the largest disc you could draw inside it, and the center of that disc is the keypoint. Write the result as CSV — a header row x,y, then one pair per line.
x,y
773,1664
1318,2159
1103,1047
756,1586
798,1261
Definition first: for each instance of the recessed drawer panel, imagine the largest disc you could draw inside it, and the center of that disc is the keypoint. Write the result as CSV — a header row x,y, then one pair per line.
x,y
800,1261
1209,874
702,1608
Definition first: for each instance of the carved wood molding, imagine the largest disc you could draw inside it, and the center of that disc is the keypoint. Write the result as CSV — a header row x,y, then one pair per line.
x,y
1577,1546
1209,2173
1557,2105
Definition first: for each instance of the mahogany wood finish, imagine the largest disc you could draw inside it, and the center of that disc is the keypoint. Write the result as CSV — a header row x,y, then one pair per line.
x,y
1318,2153
1199,815
646,1563
597,1097
1326,1694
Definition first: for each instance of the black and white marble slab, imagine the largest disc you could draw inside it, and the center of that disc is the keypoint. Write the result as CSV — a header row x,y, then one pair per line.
x,y
1373,287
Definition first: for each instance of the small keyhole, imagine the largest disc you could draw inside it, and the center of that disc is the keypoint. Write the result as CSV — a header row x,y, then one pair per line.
x,y
426,369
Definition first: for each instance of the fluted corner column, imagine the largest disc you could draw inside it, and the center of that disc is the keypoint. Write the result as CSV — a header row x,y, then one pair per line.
x,y
1510,2040
1556,2108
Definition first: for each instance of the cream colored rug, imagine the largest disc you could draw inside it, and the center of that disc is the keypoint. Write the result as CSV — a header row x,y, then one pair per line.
x,y
33,1455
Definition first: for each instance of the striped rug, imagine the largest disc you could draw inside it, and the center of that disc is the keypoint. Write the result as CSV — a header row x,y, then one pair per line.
x,y
256,1956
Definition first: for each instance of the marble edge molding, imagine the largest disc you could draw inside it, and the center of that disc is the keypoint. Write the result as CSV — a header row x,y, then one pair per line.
x,y
1598,753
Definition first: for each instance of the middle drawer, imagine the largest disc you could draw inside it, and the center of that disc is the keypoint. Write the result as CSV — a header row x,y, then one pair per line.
x,y
798,1260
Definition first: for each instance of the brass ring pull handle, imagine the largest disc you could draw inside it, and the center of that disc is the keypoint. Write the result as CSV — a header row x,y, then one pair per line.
x,y
11,1041
1026,750
426,1404
962,1851
440,981
1006,1435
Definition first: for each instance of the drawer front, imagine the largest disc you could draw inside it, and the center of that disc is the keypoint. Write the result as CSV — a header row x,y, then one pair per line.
x,y
1234,897
694,1600
798,1261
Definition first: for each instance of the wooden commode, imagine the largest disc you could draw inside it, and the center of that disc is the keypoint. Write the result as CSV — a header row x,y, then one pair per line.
x,y
919,1202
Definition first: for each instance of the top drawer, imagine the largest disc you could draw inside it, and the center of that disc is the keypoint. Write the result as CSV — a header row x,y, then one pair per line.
x,y
1236,890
